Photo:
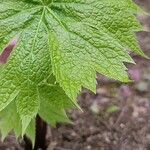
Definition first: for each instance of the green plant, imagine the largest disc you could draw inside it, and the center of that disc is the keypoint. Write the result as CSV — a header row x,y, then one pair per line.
x,y
61,44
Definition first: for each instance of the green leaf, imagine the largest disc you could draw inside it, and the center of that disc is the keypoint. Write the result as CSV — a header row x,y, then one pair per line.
x,y
54,102
9,120
112,109
88,37
31,131
71,39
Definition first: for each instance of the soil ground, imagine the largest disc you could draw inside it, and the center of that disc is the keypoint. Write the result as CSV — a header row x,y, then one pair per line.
x,y
116,118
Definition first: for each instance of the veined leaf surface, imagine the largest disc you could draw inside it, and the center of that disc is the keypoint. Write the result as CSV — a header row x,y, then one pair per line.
x,y
63,41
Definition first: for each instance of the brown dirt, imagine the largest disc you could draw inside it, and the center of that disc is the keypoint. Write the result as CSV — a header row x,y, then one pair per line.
x,y
116,118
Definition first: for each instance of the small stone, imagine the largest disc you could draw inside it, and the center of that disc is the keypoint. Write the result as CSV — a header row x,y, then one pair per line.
x,y
142,86
122,125
146,76
95,108
89,147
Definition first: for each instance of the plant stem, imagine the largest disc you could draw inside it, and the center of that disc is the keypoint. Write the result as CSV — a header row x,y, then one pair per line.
x,y
28,143
40,140
41,130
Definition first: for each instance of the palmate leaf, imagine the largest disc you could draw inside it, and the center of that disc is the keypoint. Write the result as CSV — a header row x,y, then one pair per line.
x,y
71,39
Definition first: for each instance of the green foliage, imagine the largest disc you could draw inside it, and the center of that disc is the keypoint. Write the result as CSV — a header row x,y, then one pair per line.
x,y
61,45
112,109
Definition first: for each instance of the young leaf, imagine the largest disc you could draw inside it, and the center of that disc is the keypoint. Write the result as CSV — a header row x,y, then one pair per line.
x,y
10,120
54,102
73,39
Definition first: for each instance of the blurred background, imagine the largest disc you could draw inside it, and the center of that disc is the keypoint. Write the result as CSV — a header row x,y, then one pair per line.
x,y
116,118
